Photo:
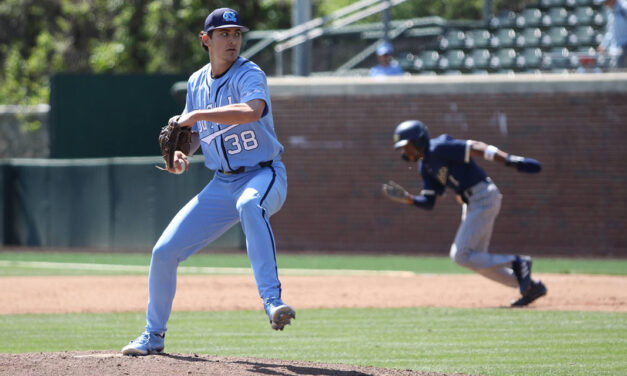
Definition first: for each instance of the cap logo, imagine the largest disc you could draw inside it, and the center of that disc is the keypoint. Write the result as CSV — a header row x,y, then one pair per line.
x,y
397,138
230,16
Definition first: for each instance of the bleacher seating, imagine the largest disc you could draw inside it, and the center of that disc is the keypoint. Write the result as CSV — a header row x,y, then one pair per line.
x,y
529,59
555,17
529,17
583,36
599,19
559,58
503,38
478,59
546,36
529,37
557,3
581,16
452,60
554,37
479,38
427,60
503,20
452,39
503,59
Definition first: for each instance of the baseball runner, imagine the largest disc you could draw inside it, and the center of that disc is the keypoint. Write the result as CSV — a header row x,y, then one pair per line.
x,y
448,162
229,112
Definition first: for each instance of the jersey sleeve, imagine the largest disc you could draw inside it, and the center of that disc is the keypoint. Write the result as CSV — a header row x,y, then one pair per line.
x,y
189,106
253,85
453,150
430,186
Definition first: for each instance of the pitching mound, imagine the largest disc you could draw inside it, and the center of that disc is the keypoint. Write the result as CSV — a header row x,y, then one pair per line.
x,y
107,363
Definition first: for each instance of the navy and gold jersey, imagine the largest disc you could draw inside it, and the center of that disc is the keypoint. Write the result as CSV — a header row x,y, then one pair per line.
x,y
447,163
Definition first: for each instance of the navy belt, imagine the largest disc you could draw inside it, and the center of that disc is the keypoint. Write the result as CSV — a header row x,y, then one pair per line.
x,y
244,169
467,193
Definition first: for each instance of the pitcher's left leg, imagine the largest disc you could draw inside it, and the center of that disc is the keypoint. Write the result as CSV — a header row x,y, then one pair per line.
x,y
262,196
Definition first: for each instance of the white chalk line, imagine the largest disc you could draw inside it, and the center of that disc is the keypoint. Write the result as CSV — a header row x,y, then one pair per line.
x,y
200,269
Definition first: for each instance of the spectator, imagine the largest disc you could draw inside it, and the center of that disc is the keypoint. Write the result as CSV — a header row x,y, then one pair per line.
x,y
615,39
588,64
387,65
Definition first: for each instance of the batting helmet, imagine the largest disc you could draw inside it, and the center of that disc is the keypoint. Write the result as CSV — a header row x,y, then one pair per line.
x,y
411,130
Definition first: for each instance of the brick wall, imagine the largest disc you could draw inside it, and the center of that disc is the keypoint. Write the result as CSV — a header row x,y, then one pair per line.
x,y
337,135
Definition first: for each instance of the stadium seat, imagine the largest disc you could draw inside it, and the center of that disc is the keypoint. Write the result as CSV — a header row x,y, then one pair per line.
x,y
407,61
603,61
529,58
478,38
555,37
555,17
529,17
451,60
503,38
558,3
581,3
582,36
581,16
599,19
452,39
426,60
529,37
557,58
544,4
570,3
503,59
590,51
477,59
503,19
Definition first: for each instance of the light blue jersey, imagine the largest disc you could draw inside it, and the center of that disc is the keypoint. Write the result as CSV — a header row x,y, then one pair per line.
x,y
393,69
249,186
229,147
243,190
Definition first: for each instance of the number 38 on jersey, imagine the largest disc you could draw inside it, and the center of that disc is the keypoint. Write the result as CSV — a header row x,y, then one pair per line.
x,y
246,140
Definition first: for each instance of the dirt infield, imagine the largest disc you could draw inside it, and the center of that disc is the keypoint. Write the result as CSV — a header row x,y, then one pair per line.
x,y
23,295
199,293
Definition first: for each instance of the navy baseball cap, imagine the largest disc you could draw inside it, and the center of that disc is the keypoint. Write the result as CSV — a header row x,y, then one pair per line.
x,y
222,18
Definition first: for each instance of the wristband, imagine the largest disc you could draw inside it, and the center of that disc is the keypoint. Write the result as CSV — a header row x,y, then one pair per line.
x,y
489,152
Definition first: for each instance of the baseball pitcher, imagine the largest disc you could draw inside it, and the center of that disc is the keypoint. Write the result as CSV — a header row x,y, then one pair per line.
x,y
229,112
448,162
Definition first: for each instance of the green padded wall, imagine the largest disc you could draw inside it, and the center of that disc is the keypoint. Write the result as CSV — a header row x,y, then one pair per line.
x,y
110,115
105,203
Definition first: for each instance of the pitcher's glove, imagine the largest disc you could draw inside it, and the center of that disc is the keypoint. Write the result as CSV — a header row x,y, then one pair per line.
x,y
172,138
522,164
397,193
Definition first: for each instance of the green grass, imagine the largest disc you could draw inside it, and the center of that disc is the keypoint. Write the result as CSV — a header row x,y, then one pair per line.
x,y
472,341
439,265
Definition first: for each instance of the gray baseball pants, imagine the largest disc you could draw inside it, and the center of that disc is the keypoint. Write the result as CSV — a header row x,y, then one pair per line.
x,y
470,247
